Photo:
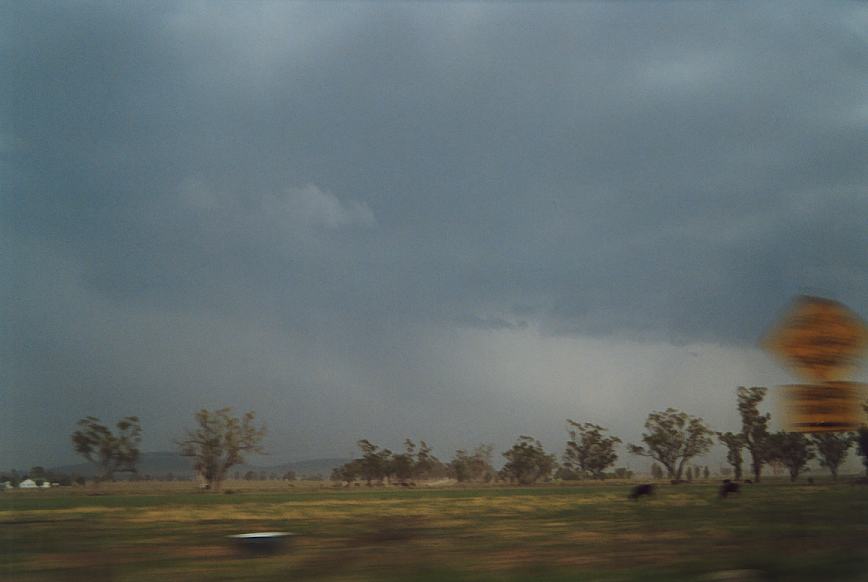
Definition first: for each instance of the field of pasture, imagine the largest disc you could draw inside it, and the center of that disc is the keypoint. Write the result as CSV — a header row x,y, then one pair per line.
x,y
776,530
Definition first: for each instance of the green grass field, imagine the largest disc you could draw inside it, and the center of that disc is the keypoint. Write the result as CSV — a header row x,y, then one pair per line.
x,y
585,532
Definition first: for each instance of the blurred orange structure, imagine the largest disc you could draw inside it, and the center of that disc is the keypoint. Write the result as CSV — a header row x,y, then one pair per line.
x,y
822,340
829,407
819,338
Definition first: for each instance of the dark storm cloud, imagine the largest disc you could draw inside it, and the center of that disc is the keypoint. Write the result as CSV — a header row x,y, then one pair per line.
x,y
320,185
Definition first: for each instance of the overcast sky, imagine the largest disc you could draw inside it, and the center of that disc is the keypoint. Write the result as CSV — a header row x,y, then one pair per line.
x,y
459,222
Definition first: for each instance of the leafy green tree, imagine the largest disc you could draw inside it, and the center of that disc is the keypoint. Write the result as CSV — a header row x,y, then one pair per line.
x,y
832,449
427,466
672,439
754,426
379,464
706,473
527,462
734,443
656,471
473,466
219,442
589,452
111,452
459,466
348,472
792,449
403,465
375,464
689,474
861,439
565,473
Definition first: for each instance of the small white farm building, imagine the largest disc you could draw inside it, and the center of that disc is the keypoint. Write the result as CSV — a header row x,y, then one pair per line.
x,y
31,484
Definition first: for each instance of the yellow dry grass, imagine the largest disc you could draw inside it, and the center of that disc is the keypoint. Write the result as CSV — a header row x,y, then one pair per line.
x,y
484,532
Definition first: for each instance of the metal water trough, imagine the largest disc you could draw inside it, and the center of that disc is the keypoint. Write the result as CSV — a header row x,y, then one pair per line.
x,y
264,542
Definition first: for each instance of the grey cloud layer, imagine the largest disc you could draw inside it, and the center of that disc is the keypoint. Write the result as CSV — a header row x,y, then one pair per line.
x,y
346,175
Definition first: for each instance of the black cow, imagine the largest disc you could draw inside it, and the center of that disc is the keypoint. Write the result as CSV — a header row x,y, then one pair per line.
x,y
640,490
727,488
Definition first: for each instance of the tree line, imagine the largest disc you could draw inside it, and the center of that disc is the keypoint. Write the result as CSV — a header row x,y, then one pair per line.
x,y
672,439
791,450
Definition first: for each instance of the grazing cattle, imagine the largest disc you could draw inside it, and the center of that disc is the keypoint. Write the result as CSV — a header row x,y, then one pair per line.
x,y
727,488
640,490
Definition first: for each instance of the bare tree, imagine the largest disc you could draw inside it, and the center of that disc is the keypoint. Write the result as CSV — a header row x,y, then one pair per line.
x,y
109,451
220,442
672,439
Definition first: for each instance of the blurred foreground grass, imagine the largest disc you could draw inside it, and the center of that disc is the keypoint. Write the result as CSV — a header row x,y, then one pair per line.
x,y
589,532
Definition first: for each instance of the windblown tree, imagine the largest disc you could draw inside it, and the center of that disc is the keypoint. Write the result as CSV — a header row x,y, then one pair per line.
x,y
375,464
792,449
527,462
861,439
754,426
221,441
348,472
473,466
427,466
832,449
379,464
734,444
672,438
589,452
403,465
111,452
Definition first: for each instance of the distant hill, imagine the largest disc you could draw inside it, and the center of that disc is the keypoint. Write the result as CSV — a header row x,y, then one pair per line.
x,y
311,467
161,464
155,464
